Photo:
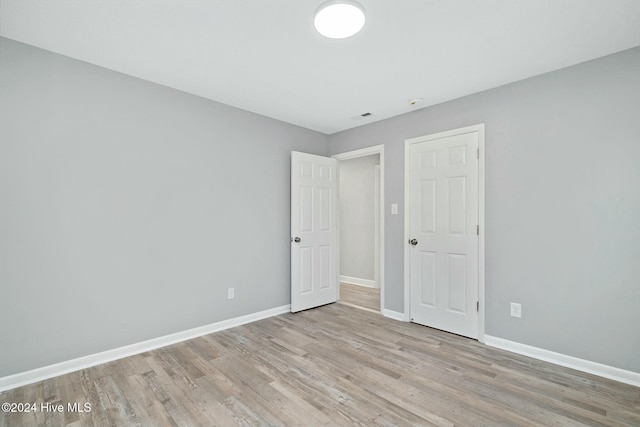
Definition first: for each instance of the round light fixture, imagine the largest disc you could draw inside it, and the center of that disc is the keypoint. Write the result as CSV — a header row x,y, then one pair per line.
x,y
339,19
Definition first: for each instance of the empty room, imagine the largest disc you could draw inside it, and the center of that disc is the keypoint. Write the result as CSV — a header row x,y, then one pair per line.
x,y
319,213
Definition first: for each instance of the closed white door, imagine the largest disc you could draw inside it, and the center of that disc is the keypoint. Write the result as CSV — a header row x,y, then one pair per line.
x,y
313,231
443,218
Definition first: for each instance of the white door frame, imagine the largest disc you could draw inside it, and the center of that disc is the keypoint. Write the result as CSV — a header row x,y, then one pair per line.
x,y
376,224
376,149
479,128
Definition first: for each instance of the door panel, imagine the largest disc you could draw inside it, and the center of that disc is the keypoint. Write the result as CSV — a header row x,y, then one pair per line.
x,y
443,216
428,211
427,279
457,283
457,205
306,209
313,222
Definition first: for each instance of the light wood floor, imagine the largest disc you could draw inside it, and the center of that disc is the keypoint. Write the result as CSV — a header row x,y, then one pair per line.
x,y
360,297
333,366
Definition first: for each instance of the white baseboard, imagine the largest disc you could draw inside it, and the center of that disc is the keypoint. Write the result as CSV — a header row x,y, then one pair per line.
x,y
617,374
39,374
395,315
357,281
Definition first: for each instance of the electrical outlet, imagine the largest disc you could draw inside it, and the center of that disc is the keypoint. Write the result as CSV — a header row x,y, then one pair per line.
x,y
394,209
516,309
231,293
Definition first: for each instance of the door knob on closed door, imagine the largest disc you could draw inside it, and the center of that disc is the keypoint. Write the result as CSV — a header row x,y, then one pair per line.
x,y
413,242
295,239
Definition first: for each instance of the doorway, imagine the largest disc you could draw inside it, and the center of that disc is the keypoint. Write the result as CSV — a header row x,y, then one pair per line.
x,y
360,228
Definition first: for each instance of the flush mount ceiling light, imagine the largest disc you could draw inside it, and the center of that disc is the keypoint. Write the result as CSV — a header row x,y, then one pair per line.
x,y
339,19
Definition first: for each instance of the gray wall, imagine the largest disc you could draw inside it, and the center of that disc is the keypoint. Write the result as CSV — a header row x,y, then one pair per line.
x,y
128,209
562,204
357,217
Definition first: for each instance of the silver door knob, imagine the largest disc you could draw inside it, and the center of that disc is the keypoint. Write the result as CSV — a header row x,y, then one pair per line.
x,y
295,239
413,242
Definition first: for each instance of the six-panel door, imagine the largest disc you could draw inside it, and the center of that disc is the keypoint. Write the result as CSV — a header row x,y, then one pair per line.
x,y
313,231
444,219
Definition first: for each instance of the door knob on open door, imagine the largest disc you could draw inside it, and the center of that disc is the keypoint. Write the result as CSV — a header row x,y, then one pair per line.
x,y
295,239
413,242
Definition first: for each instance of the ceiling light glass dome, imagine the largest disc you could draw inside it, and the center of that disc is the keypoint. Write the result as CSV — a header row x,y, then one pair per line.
x,y
339,19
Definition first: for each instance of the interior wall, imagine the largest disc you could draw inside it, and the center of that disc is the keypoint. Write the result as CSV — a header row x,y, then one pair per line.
x,y
128,209
357,217
562,204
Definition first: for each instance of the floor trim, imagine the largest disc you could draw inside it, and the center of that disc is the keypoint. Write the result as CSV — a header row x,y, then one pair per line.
x,y
394,315
23,378
613,373
357,281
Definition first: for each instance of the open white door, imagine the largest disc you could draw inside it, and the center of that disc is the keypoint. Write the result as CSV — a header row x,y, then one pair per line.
x,y
314,231
443,227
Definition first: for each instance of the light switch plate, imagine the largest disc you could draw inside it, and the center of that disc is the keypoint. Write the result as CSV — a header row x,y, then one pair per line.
x,y
394,209
516,310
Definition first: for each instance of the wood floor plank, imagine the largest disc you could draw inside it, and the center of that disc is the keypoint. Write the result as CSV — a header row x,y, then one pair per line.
x,y
331,366
361,297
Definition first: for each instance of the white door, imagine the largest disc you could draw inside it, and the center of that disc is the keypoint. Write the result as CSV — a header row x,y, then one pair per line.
x,y
443,229
314,231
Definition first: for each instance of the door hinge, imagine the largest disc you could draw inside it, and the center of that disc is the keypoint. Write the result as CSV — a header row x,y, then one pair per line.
x,y
478,229
478,306
478,154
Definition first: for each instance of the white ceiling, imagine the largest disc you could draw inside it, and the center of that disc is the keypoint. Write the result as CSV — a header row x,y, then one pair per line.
x,y
265,56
